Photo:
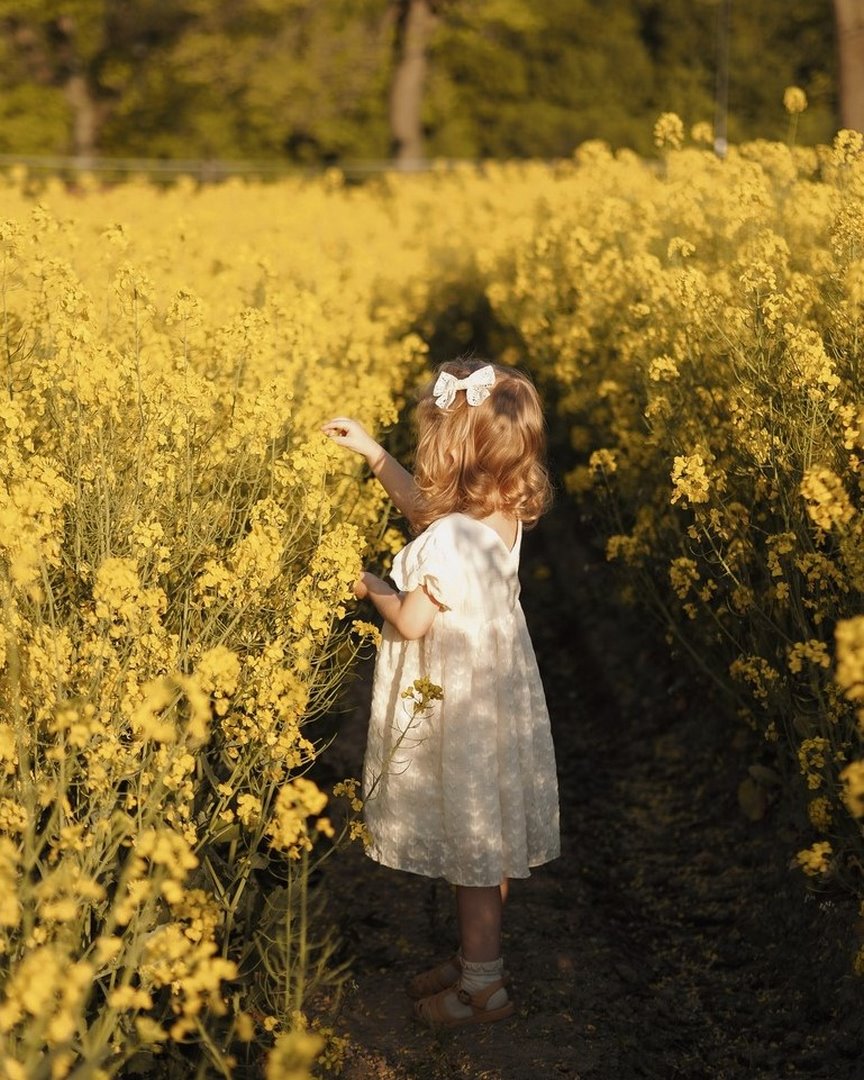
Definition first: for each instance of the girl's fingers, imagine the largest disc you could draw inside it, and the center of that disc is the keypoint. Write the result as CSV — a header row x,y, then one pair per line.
x,y
335,431
339,425
348,433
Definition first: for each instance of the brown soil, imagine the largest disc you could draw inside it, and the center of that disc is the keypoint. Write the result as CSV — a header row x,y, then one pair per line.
x,y
670,940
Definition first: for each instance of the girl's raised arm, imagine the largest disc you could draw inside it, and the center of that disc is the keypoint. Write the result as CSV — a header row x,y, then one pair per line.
x,y
396,481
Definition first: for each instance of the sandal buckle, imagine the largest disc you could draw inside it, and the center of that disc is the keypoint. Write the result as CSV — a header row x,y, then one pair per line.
x,y
464,997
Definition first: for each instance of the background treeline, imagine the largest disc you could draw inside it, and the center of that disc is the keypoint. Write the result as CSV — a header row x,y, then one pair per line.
x,y
314,81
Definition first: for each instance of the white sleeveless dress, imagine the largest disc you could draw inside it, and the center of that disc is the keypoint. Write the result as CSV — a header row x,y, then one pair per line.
x,y
467,791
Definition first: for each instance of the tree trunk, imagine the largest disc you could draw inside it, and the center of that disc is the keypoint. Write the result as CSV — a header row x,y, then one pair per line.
x,y
415,23
86,117
87,114
849,17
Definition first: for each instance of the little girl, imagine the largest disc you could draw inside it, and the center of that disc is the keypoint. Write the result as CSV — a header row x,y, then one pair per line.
x,y
466,791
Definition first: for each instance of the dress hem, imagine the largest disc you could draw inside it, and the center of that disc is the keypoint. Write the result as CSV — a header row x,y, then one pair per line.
x,y
522,874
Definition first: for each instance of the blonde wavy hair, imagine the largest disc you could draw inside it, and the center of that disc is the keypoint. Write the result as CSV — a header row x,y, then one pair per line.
x,y
476,459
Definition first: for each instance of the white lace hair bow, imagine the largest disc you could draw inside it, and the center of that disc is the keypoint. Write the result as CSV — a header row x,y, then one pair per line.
x,y
476,386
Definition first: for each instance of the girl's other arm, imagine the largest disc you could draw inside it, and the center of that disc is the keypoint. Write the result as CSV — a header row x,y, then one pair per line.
x,y
396,481
410,613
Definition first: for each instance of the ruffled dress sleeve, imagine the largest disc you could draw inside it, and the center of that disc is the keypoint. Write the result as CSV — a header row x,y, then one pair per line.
x,y
433,562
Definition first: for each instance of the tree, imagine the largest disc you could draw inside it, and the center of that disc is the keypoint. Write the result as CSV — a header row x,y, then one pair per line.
x,y
772,45
535,80
415,22
84,50
296,80
322,81
55,47
849,19
293,79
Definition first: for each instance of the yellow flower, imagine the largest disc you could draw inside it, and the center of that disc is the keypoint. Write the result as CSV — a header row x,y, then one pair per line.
x,y
244,1027
149,1031
827,500
367,630
794,99
819,813
166,848
848,147
293,1055
756,671
669,131
288,828
10,910
218,671
815,860
147,718
602,461
663,369
678,247
813,651
249,810
424,693
849,638
702,132
813,758
689,479
349,788
683,574
853,788
128,998
814,370
185,308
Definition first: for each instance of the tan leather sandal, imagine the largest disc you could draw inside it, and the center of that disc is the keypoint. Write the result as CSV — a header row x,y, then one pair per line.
x,y
437,978
433,1010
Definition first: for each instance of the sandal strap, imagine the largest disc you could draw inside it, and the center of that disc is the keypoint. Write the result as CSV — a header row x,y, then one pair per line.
x,y
480,998
433,1010
430,982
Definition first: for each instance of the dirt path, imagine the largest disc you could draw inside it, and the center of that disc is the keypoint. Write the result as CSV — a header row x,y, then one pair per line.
x,y
670,940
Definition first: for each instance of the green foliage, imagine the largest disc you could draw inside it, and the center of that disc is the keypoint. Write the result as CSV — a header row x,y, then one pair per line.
x,y
250,82
772,45
537,90
307,81
31,119
586,70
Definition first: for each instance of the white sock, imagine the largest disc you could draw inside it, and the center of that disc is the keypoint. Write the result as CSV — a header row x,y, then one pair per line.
x,y
477,976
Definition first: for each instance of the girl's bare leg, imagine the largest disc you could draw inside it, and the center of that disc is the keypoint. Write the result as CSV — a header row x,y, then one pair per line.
x,y
482,977
480,926
479,912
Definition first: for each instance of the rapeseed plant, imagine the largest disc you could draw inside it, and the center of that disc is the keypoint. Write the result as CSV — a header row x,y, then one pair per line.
x,y
177,550
700,327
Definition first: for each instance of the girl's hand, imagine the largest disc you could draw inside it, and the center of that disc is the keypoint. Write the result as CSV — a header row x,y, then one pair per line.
x,y
396,481
361,589
353,436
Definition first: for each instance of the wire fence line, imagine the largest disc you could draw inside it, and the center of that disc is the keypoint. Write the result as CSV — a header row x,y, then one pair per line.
x,y
209,171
